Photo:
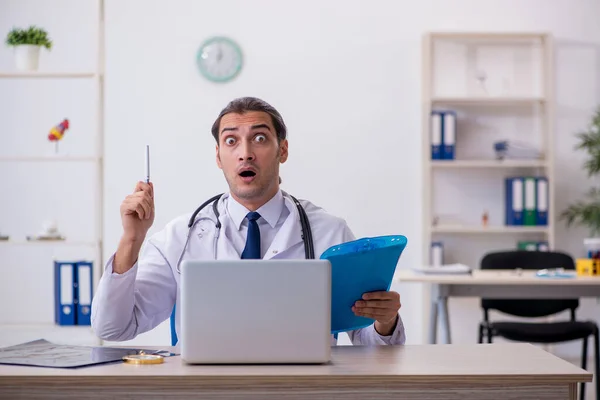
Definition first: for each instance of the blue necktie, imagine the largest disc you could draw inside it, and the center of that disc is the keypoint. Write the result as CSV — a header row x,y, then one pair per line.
x,y
252,249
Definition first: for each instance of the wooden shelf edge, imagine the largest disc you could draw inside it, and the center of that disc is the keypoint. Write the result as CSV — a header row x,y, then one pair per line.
x,y
491,229
66,242
65,158
487,35
487,100
513,163
49,74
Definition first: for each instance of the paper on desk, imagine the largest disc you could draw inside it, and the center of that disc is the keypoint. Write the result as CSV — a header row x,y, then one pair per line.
x,y
42,353
444,269
357,267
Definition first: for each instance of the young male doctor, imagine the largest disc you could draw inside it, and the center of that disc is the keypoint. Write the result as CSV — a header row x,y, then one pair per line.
x,y
138,290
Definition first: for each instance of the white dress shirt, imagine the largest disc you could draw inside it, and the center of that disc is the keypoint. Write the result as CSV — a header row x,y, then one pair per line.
x,y
272,216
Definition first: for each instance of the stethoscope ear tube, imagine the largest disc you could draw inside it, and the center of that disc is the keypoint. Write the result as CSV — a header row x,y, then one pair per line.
x,y
309,250
193,217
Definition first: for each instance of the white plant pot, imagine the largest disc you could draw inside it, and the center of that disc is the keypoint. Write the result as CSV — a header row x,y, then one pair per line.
x,y
27,57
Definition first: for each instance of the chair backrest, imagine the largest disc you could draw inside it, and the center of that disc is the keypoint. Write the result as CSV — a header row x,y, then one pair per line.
x,y
525,259
174,338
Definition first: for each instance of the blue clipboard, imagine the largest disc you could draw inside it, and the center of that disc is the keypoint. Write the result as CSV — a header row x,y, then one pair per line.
x,y
357,267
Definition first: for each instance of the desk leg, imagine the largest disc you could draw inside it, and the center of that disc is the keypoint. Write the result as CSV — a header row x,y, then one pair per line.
x,y
443,311
433,317
439,310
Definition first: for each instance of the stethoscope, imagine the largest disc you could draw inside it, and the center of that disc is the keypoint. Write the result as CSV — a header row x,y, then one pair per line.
x,y
309,251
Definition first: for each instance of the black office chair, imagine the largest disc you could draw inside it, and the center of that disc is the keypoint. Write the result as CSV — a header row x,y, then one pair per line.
x,y
537,332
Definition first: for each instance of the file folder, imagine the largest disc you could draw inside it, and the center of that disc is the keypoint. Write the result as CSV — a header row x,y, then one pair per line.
x,y
64,293
83,279
449,134
529,217
436,135
514,194
527,245
542,201
543,246
357,267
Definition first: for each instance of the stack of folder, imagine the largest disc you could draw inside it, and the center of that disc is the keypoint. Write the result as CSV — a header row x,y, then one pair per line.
x,y
73,292
526,201
532,245
515,150
443,135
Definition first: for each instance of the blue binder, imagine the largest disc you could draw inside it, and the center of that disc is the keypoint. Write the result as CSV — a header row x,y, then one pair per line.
x,y
437,135
448,135
84,285
64,293
357,267
514,190
542,193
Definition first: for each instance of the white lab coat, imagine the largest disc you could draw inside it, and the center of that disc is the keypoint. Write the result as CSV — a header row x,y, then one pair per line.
x,y
126,305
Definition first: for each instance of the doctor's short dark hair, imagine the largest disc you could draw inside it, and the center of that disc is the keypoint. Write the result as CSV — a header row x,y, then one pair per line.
x,y
244,104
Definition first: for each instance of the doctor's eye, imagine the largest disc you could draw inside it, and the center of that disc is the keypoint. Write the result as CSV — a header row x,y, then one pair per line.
x,y
260,138
229,141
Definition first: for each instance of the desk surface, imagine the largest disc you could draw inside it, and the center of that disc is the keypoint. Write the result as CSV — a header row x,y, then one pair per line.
x,y
494,277
410,364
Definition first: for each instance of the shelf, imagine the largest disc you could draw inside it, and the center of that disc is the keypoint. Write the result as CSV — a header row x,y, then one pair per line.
x,y
488,101
488,164
49,158
490,229
67,242
39,74
496,36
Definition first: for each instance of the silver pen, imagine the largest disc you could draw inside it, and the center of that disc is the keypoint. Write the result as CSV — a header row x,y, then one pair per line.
x,y
147,163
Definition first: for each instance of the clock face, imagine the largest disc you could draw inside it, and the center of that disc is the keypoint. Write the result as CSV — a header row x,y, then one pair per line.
x,y
219,59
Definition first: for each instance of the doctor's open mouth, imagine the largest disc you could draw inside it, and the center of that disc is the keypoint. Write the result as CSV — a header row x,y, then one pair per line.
x,y
247,175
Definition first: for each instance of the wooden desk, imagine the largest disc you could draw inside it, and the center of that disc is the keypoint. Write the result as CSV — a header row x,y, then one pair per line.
x,y
507,284
478,371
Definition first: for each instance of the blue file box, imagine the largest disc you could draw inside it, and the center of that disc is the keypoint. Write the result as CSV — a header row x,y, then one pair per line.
x,y
84,285
64,293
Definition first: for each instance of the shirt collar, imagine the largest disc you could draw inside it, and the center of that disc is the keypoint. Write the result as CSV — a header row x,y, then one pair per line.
x,y
270,211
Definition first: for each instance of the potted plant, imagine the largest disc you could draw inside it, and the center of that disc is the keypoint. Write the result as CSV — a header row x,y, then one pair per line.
x,y
27,44
586,212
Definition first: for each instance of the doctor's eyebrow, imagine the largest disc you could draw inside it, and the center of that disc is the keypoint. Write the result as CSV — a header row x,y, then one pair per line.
x,y
259,126
229,129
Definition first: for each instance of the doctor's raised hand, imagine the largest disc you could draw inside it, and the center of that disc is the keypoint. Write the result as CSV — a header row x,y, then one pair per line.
x,y
137,216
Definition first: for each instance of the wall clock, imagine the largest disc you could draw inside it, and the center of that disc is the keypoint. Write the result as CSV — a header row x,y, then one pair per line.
x,y
219,59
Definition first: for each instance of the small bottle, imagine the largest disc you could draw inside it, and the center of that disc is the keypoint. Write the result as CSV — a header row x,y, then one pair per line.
x,y
485,218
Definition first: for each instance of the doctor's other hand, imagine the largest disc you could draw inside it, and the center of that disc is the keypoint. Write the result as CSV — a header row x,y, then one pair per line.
x,y
381,306
137,212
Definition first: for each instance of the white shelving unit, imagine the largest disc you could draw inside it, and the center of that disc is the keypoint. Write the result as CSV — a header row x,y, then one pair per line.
x,y
500,86
77,335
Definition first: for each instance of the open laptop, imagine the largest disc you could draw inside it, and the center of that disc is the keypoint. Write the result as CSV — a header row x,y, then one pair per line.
x,y
255,311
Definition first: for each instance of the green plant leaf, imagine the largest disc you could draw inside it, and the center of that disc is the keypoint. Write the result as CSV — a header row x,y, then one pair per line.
x,y
585,212
31,36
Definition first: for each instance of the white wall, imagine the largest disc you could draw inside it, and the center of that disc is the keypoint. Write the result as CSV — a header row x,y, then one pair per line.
x,y
346,77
